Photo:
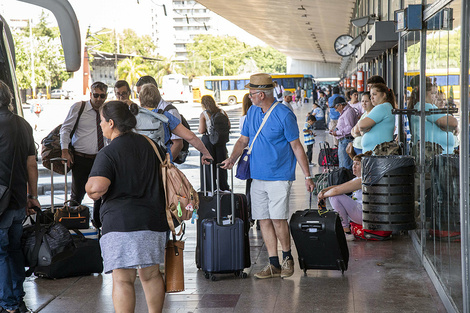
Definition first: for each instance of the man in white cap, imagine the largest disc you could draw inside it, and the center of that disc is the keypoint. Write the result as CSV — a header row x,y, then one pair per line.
x,y
288,100
272,165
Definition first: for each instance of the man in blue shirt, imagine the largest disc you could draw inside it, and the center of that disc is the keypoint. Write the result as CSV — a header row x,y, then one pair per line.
x,y
273,159
334,115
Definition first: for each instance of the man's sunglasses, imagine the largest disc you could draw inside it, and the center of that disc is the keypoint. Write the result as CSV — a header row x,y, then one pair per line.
x,y
100,95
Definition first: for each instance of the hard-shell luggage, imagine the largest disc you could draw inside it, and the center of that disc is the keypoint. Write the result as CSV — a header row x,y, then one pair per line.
x,y
222,246
320,240
208,209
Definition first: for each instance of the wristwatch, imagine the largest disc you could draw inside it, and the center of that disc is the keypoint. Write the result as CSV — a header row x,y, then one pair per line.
x,y
308,177
32,197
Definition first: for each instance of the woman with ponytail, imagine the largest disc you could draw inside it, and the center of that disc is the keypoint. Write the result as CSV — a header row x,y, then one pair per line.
x,y
379,124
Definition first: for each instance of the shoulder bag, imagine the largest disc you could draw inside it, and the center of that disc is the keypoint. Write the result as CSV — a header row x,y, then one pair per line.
x,y
243,166
51,145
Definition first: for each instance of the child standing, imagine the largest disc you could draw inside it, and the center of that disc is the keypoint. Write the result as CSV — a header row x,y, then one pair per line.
x,y
309,137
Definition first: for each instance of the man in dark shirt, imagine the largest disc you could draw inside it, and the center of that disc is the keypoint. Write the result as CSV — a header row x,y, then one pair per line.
x,y
17,160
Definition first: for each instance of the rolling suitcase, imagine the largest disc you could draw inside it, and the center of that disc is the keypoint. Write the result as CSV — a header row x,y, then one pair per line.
x,y
222,242
208,209
319,239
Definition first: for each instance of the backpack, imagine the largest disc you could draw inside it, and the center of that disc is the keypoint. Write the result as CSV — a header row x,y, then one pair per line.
x,y
219,128
153,126
181,158
51,145
182,200
374,235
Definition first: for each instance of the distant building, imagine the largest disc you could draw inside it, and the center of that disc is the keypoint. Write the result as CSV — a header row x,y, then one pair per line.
x,y
183,21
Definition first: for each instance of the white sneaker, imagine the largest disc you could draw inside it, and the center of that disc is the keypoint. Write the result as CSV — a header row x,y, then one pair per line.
x,y
350,237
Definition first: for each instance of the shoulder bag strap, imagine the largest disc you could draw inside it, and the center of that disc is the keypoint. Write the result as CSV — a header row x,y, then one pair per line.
x,y
78,117
208,120
261,126
16,148
164,174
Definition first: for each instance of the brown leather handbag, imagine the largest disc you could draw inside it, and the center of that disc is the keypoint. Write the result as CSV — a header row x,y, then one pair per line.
x,y
174,264
350,150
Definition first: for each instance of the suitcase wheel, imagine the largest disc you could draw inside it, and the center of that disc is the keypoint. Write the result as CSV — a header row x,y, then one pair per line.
x,y
305,272
210,276
241,274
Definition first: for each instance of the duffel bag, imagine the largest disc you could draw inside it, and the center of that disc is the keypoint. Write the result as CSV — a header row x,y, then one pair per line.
x,y
73,217
44,244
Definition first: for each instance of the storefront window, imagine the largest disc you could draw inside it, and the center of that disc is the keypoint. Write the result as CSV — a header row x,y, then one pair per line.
x,y
441,141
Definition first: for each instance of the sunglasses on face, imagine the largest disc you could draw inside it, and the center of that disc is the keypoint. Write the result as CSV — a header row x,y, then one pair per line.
x,y
122,94
99,95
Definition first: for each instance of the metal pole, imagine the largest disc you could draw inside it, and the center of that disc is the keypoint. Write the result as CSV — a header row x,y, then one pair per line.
x,y
422,131
464,156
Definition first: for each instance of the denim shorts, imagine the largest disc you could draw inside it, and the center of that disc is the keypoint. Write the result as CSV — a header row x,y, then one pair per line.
x,y
270,199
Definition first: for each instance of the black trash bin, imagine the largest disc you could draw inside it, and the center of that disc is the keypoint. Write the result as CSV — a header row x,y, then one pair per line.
x,y
388,199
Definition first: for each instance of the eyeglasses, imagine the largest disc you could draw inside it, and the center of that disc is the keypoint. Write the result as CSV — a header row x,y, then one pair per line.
x,y
100,95
252,94
122,94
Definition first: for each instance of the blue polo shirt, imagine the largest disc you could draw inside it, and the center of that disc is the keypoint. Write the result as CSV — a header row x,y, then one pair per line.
x,y
272,157
382,131
334,114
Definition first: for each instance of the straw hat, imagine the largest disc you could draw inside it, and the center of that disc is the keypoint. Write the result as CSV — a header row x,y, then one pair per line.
x,y
260,81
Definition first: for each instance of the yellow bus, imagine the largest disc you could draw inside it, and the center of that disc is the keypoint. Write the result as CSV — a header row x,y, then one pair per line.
x,y
446,80
231,89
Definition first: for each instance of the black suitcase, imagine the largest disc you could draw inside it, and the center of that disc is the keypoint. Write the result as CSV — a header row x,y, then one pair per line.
x,y
208,209
320,240
85,260
222,242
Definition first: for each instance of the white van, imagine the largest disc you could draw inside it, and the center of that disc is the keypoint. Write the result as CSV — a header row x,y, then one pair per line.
x,y
175,88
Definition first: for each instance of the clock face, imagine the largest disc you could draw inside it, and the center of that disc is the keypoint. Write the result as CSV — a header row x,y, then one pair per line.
x,y
343,46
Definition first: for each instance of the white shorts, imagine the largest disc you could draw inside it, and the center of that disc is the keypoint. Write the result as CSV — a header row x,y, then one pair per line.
x,y
270,199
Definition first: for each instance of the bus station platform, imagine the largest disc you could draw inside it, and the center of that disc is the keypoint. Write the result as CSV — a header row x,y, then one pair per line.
x,y
385,277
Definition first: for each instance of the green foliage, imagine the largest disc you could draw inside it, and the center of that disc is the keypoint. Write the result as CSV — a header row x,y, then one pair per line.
x,y
131,69
129,42
46,50
237,56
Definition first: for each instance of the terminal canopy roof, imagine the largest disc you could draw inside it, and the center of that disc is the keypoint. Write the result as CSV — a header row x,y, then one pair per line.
x,y
301,29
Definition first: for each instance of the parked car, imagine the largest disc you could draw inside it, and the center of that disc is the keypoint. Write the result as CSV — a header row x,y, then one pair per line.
x,y
59,94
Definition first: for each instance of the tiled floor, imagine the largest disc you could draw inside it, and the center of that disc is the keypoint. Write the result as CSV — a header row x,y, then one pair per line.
x,y
385,277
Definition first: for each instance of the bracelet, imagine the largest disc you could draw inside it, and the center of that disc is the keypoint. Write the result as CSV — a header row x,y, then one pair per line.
x,y
308,177
32,197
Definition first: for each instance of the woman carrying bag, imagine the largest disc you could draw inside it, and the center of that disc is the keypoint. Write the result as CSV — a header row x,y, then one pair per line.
x,y
125,175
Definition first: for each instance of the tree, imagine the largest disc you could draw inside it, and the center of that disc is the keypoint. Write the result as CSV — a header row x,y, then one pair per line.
x,y
131,43
131,69
213,53
46,49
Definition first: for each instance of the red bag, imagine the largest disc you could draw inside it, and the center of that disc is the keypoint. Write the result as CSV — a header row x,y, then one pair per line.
x,y
365,234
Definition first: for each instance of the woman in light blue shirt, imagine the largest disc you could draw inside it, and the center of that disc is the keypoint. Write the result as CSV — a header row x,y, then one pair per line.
x,y
379,124
439,128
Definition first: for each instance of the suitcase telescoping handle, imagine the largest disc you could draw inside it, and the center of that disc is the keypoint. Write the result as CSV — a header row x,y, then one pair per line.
x,y
232,197
64,161
204,178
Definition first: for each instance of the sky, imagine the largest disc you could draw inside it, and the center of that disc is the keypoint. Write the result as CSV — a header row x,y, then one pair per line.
x,y
119,14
